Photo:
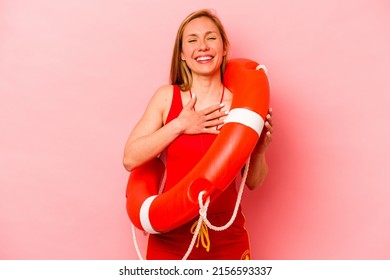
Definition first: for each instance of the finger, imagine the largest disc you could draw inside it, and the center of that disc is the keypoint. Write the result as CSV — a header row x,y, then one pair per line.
x,y
214,123
268,139
269,127
212,108
211,131
217,115
191,103
269,119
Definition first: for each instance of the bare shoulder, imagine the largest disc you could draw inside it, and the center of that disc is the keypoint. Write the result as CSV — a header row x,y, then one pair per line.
x,y
163,99
154,115
164,94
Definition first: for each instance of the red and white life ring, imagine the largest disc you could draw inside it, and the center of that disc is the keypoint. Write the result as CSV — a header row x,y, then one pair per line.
x,y
220,165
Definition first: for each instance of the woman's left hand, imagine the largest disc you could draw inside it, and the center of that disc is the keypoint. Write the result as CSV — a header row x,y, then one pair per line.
x,y
266,135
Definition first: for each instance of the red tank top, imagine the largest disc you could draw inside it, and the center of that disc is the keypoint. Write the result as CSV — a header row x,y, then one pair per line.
x,y
185,152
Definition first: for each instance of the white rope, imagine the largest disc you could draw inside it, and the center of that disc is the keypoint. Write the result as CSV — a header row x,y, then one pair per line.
x,y
203,212
196,233
136,243
238,201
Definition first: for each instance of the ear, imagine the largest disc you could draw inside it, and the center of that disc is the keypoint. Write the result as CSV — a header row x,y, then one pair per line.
x,y
225,51
182,57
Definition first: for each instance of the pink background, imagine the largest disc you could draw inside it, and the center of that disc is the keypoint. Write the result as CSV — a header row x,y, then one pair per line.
x,y
76,75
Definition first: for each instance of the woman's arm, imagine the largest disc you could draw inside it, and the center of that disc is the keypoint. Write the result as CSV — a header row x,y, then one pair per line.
x,y
149,137
258,167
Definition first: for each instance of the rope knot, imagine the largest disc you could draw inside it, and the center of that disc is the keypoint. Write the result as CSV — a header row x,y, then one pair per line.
x,y
203,207
203,213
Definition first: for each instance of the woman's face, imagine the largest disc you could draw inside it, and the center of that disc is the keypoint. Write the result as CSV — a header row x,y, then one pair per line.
x,y
203,49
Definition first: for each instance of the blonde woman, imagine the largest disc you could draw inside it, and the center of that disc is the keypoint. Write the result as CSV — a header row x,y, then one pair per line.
x,y
183,119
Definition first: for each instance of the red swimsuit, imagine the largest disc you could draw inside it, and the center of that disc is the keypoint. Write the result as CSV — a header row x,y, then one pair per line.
x,y
181,156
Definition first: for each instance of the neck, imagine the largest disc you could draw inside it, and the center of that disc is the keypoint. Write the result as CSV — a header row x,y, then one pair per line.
x,y
206,85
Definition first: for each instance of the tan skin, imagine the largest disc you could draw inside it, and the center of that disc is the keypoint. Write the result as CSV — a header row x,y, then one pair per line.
x,y
203,52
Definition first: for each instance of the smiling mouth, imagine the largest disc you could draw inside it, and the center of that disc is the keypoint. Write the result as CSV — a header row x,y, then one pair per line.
x,y
204,58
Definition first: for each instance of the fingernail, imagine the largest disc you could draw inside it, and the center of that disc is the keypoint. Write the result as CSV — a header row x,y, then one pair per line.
x,y
221,105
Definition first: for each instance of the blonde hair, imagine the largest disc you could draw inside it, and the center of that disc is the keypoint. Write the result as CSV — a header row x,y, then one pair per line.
x,y
180,73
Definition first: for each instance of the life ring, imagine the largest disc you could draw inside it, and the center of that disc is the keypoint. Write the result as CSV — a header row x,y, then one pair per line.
x,y
220,165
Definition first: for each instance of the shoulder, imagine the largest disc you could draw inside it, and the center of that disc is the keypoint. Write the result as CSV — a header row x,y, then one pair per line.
x,y
164,94
161,100
161,94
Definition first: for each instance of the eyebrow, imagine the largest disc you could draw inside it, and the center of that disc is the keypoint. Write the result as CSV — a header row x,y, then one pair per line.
x,y
194,34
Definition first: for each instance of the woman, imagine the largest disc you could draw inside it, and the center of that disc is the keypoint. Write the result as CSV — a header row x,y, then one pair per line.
x,y
182,120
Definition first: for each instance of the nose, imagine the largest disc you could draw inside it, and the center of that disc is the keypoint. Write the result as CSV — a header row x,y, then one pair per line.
x,y
203,46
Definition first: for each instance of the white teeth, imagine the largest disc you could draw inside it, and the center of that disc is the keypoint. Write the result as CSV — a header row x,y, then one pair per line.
x,y
203,58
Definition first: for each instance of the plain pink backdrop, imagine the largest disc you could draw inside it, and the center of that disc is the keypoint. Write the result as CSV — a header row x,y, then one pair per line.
x,y
75,76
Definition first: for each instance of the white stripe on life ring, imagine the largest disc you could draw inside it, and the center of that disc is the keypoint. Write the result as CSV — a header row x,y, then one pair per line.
x,y
144,215
247,118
